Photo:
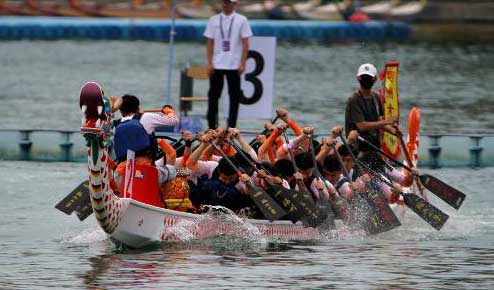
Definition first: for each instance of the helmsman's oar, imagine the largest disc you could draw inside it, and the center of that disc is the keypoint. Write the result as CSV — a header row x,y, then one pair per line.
x,y
429,213
269,208
384,218
281,194
447,193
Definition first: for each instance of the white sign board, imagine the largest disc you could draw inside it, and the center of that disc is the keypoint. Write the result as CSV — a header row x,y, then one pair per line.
x,y
257,81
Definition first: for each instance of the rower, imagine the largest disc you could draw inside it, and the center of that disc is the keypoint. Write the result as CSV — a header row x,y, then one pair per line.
x,y
135,131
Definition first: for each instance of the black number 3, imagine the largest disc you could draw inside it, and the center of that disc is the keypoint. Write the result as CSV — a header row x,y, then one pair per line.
x,y
252,77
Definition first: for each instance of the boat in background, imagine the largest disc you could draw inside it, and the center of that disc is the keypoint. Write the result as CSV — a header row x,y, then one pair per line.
x,y
395,10
312,11
196,9
132,9
10,7
271,9
53,8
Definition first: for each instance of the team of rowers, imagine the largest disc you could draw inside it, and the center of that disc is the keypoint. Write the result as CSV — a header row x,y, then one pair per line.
x,y
192,177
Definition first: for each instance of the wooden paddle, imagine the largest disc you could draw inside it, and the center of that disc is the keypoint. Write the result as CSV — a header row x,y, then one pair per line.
x,y
282,195
358,202
339,204
429,213
78,200
383,219
447,193
304,199
269,208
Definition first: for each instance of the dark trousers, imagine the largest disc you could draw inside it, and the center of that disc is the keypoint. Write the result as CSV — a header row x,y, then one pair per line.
x,y
215,88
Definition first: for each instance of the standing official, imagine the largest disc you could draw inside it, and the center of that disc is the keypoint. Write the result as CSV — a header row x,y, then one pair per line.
x,y
364,111
227,47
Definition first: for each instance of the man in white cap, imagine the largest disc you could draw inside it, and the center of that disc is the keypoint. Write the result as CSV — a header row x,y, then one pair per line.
x,y
364,111
227,36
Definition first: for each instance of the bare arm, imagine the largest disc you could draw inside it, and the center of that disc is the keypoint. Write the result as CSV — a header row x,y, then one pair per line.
x,y
210,51
245,52
368,126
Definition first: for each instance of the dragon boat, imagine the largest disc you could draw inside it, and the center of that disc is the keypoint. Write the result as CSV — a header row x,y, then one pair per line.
x,y
136,223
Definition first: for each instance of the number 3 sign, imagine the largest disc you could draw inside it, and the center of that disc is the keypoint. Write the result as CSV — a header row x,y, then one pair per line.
x,y
258,80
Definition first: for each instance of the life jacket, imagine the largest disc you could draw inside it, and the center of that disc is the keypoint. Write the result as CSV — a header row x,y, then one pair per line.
x,y
131,135
145,185
175,193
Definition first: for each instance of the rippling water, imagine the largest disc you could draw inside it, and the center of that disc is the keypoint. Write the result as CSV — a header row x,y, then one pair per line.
x,y
452,84
43,248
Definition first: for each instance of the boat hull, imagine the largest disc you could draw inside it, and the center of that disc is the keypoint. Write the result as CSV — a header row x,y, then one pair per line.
x,y
142,225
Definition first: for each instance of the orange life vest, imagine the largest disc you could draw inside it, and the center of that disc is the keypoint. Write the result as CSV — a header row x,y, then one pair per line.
x,y
175,193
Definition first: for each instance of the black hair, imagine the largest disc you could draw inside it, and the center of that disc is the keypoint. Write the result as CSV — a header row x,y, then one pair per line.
x,y
245,164
225,168
304,160
130,104
316,145
271,169
285,167
343,150
331,164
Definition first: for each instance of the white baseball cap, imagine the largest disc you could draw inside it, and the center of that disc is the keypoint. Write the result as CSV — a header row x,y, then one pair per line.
x,y
367,69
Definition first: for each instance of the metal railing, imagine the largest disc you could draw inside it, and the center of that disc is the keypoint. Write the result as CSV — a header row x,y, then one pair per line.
x,y
436,150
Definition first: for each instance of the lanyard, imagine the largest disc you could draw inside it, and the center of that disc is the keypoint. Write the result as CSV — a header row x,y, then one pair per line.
x,y
229,29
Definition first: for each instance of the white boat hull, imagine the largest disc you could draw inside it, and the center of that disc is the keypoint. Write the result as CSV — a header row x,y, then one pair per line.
x,y
143,225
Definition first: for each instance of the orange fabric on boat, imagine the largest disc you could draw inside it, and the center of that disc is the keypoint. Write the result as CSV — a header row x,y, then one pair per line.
x,y
175,194
145,185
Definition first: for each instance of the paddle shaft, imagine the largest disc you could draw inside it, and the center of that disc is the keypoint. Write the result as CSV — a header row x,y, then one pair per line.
x,y
264,132
293,214
386,154
290,155
410,162
347,174
269,207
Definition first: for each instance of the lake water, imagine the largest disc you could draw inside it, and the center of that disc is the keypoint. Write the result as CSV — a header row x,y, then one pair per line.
x,y
451,84
43,248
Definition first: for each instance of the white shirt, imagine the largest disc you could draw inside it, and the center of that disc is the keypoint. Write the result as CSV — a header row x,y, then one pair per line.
x,y
240,29
150,121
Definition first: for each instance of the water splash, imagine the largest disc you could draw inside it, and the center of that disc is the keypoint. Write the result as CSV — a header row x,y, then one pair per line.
x,y
87,236
217,221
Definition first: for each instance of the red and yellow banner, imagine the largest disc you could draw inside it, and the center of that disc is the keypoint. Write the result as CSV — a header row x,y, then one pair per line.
x,y
391,105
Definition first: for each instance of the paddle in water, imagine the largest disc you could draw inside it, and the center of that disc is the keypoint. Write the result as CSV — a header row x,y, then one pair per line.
x,y
78,200
312,215
269,208
281,194
447,193
340,205
429,213
383,218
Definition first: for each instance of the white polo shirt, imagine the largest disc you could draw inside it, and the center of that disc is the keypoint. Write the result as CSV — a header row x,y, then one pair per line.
x,y
229,60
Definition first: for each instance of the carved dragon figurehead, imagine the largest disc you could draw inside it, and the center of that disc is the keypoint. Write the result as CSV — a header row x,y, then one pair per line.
x,y
96,129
